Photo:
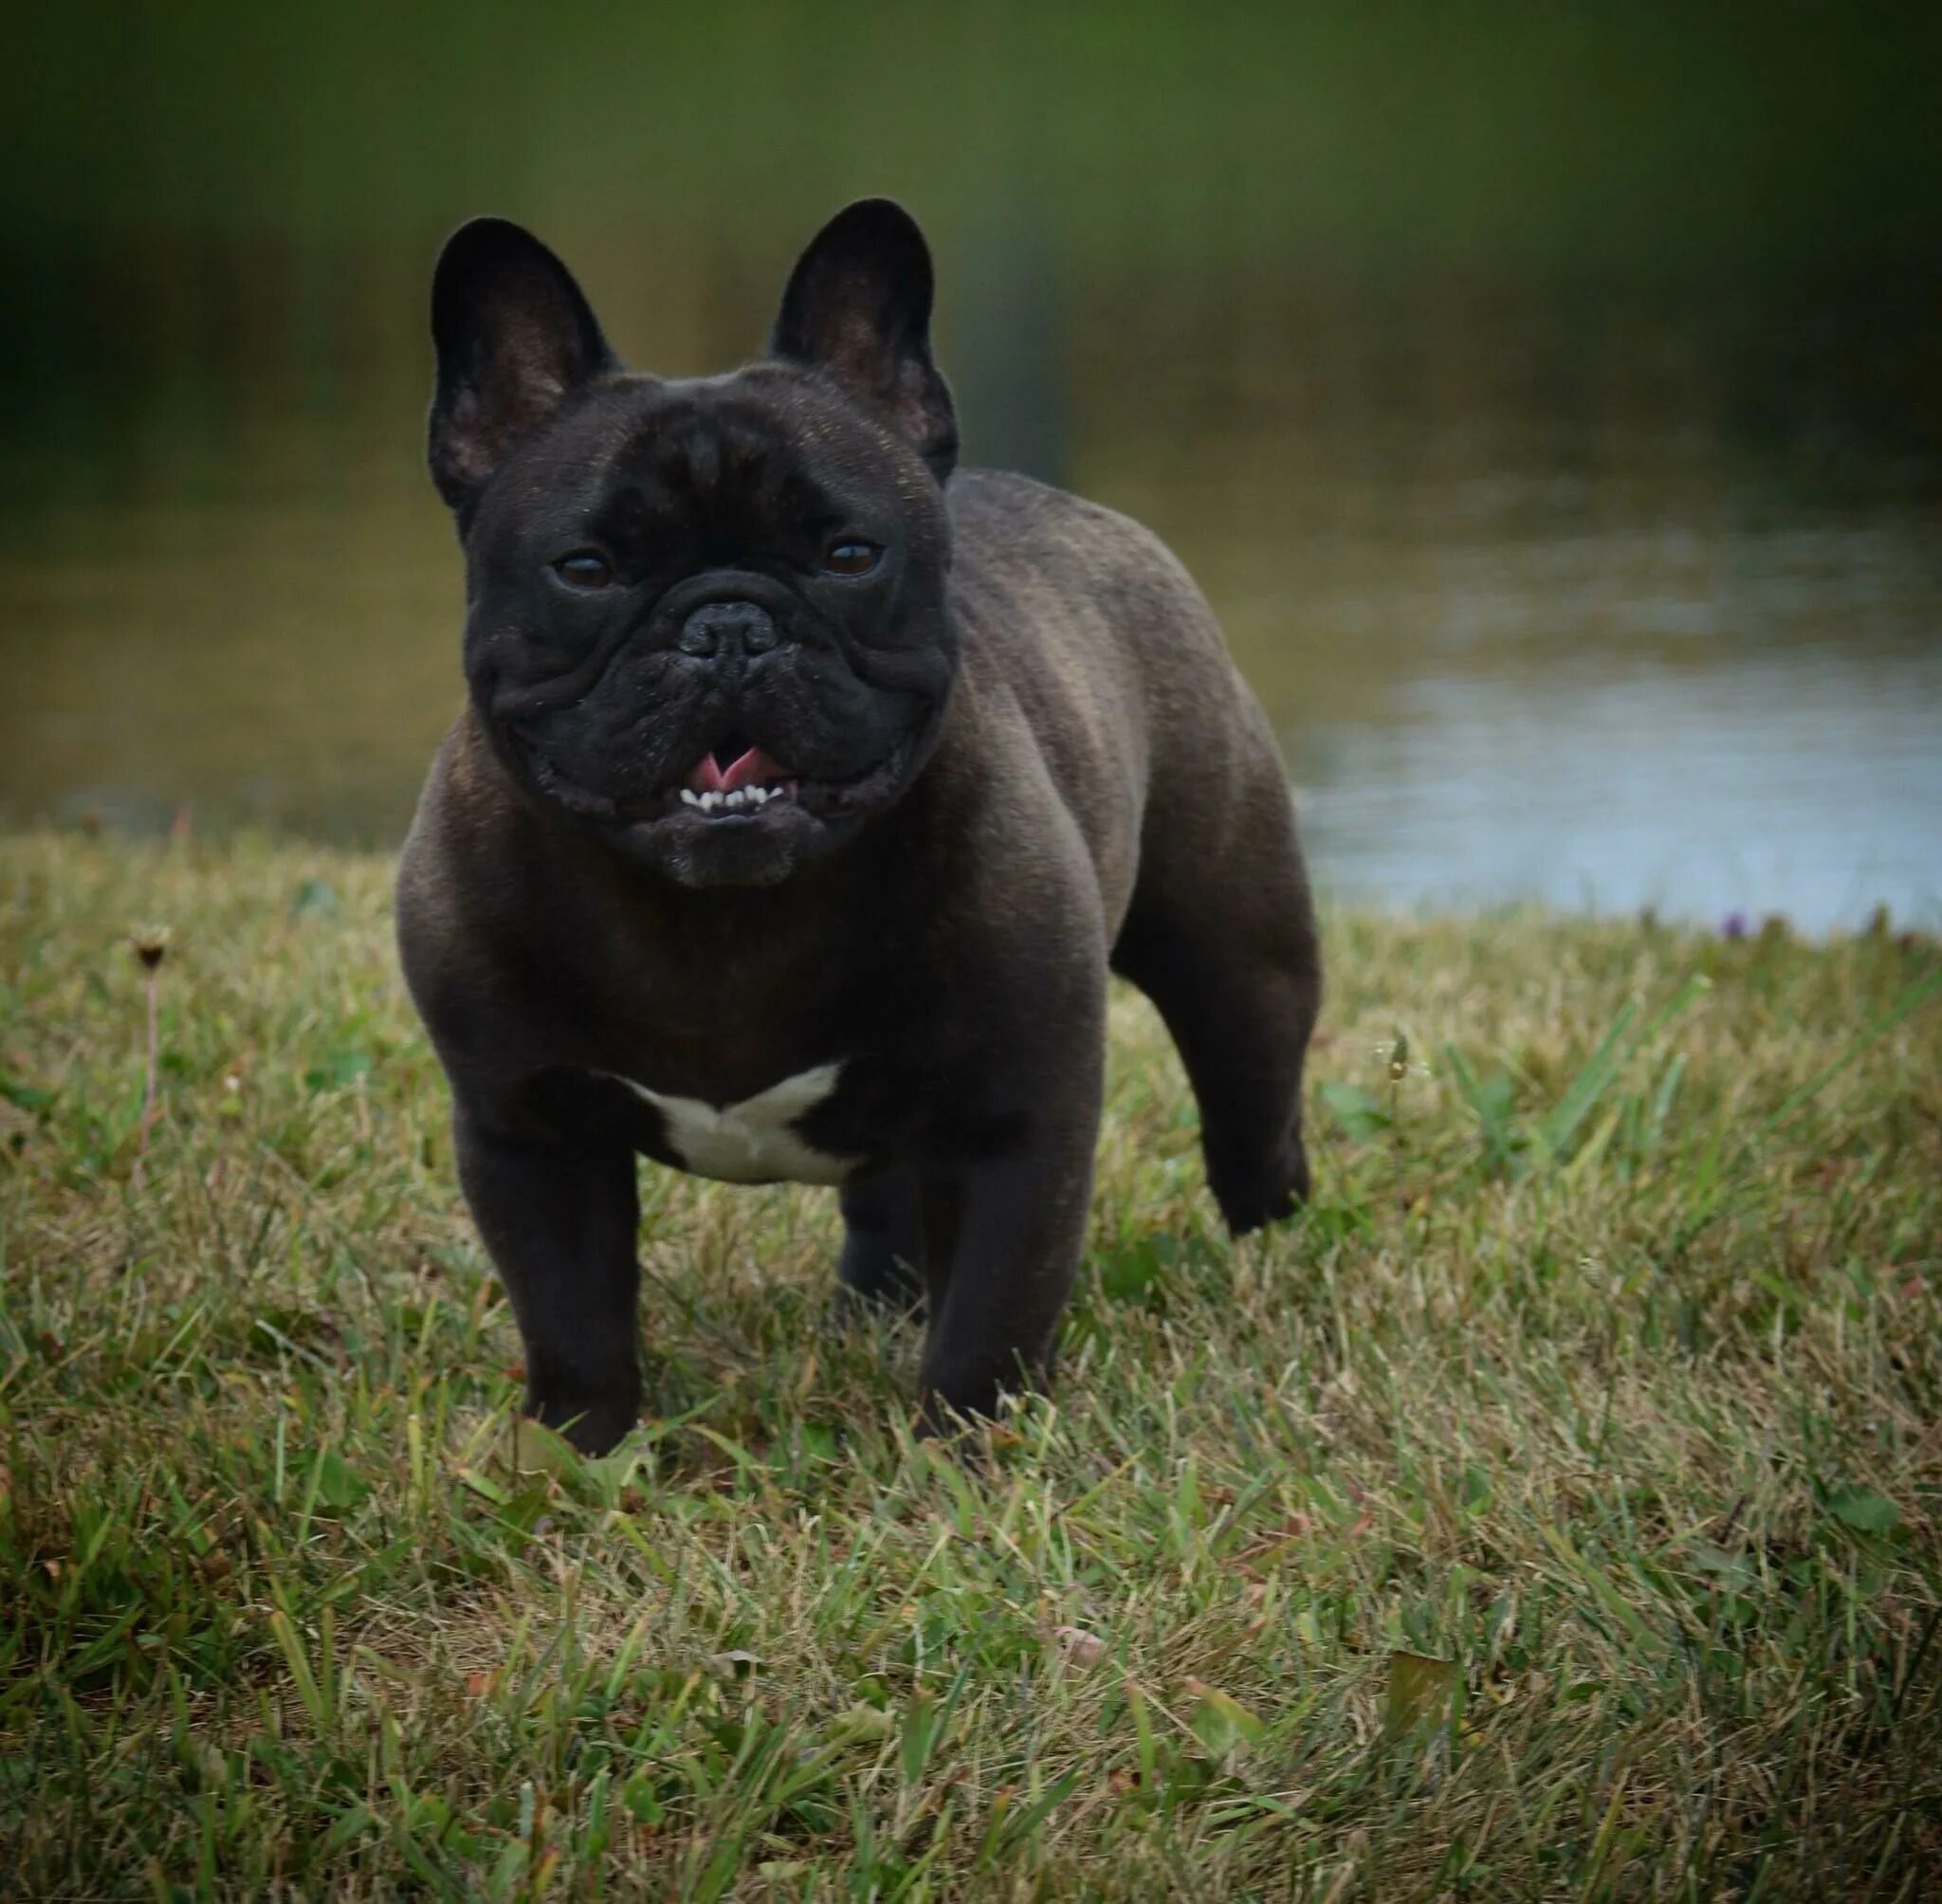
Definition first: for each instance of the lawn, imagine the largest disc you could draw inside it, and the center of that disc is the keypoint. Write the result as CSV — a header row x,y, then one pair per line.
x,y
1555,1510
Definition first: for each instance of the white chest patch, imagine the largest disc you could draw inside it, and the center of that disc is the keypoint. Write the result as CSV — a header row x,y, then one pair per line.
x,y
753,1141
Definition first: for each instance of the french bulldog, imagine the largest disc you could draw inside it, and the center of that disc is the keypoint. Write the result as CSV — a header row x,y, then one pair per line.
x,y
807,790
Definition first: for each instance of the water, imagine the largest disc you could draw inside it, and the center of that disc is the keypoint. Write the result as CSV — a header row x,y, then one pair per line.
x,y
1566,472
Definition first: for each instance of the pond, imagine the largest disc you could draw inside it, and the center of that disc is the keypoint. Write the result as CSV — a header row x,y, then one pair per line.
x,y
1575,522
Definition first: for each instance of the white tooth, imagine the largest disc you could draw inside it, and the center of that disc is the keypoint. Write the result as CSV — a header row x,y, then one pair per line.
x,y
711,801
760,795
740,797
691,796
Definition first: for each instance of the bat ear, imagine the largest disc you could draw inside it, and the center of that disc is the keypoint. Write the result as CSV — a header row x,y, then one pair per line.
x,y
858,309
515,338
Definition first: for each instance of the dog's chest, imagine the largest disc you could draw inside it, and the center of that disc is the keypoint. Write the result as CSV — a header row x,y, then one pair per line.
x,y
755,1141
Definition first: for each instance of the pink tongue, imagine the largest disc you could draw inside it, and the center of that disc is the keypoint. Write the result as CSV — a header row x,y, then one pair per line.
x,y
753,768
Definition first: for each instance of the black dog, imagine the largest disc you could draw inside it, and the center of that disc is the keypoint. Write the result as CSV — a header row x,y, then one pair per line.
x,y
805,795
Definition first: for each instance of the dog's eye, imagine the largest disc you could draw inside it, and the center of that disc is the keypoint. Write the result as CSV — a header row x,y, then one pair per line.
x,y
852,557
584,569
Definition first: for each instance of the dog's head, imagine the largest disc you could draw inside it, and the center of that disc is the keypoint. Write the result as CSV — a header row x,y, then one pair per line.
x,y
706,617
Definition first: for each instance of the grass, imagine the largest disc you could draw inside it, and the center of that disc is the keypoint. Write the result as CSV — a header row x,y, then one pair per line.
x,y
1552,1511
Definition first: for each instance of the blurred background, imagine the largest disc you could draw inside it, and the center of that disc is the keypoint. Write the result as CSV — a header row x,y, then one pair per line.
x,y
1549,396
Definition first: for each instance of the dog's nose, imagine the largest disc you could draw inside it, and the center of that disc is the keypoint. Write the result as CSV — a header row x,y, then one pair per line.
x,y
728,628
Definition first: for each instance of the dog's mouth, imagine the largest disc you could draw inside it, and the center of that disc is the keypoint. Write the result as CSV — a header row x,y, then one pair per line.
x,y
735,776
735,785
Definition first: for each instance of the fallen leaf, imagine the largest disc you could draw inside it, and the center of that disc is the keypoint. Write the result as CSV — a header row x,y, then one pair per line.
x,y
861,1721
1221,1722
538,1450
1420,1689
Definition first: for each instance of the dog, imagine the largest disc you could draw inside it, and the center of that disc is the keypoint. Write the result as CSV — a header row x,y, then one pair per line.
x,y
807,790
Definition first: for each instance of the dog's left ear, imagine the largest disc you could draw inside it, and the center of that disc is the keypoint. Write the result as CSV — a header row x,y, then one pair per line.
x,y
858,309
515,338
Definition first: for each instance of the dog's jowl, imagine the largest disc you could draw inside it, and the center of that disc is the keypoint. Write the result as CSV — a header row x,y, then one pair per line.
x,y
807,790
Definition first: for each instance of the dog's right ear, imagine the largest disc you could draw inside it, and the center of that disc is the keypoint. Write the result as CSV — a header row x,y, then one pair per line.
x,y
515,338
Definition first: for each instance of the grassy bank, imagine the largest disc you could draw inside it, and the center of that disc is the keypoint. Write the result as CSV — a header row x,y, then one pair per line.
x,y
1554,1510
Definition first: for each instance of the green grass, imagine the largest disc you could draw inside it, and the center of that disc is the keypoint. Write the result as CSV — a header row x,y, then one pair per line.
x,y
1552,1511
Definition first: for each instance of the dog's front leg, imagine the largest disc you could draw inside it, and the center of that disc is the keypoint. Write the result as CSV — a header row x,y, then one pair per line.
x,y
1015,1227
559,1211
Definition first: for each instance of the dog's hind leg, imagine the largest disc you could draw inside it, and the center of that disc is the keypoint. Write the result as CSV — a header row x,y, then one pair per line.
x,y
882,1264
1220,935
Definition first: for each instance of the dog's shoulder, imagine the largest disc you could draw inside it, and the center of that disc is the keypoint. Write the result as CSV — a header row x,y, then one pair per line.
x,y
1063,558
1000,512
466,906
